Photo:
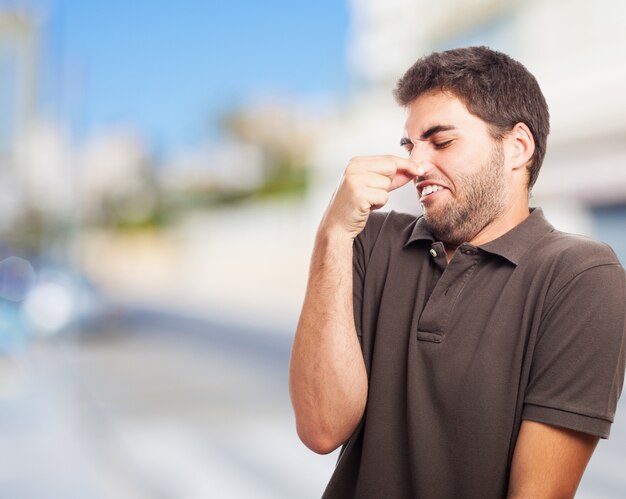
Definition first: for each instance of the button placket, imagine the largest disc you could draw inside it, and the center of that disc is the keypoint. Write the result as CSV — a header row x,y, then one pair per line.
x,y
432,322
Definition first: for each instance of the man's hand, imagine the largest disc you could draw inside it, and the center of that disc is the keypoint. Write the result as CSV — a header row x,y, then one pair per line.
x,y
365,186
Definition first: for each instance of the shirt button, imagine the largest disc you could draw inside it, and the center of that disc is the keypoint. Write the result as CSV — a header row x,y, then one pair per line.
x,y
433,253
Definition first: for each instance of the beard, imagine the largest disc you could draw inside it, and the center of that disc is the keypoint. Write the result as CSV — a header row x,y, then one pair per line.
x,y
479,200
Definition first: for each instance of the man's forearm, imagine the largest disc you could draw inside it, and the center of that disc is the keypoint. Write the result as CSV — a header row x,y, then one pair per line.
x,y
328,381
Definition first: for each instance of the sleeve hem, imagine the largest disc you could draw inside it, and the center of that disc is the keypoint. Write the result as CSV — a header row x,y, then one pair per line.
x,y
565,419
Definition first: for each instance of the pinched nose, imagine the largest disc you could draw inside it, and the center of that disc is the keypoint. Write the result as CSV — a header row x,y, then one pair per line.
x,y
421,157
423,167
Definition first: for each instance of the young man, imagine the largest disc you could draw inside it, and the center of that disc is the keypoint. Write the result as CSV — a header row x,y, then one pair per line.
x,y
473,352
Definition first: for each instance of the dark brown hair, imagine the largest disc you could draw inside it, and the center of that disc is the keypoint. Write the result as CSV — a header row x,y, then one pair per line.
x,y
493,86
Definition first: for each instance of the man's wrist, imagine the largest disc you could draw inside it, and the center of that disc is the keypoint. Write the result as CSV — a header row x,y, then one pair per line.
x,y
334,237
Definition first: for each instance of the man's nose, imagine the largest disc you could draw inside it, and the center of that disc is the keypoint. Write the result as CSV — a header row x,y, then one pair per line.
x,y
420,154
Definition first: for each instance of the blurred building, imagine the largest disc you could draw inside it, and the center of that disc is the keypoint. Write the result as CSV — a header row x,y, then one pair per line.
x,y
18,35
49,185
573,49
37,191
113,175
18,87
229,166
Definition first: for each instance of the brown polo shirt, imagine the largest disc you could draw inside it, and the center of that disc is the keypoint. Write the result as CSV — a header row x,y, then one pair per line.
x,y
528,326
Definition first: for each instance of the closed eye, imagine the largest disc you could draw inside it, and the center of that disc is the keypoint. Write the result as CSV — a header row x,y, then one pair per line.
x,y
443,145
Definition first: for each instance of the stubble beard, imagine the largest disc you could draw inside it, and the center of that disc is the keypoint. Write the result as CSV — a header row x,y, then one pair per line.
x,y
478,202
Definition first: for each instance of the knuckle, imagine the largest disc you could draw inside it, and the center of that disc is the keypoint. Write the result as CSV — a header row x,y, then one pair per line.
x,y
354,161
352,168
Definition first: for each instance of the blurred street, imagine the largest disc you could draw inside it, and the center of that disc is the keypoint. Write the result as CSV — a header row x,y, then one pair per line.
x,y
153,406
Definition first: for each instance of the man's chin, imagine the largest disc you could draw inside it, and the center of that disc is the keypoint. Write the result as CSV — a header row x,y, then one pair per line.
x,y
444,230
437,226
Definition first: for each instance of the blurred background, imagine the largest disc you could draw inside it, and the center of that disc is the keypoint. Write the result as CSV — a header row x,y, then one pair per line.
x,y
163,168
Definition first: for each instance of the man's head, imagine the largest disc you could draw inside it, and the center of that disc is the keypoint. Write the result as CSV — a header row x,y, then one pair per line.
x,y
468,183
494,87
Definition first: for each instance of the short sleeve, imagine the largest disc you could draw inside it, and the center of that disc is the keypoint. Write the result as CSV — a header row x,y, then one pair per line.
x,y
577,370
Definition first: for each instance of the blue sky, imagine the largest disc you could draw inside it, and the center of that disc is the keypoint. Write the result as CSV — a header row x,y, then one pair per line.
x,y
170,68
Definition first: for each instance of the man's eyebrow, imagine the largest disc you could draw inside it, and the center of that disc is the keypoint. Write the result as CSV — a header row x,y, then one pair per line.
x,y
428,133
436,129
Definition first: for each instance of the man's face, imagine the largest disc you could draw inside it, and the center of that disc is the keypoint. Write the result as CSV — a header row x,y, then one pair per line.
x,y
465,187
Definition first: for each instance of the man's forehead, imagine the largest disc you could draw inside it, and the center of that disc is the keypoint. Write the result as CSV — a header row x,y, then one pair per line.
x,y
439,110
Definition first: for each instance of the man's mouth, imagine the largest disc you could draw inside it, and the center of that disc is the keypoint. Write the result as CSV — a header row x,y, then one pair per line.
x,y
429,190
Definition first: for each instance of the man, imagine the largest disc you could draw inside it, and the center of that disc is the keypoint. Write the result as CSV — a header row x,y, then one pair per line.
x,y
474,351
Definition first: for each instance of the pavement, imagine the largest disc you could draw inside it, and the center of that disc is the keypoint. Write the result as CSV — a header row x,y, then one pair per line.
x,y
153,407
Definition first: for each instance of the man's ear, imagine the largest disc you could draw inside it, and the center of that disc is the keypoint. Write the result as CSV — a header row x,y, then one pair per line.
x,y
521,145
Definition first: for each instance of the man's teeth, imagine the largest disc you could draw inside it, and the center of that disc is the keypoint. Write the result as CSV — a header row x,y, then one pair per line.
x,y
429,189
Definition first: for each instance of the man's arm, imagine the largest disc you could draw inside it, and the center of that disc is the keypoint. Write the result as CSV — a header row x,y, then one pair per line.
x,y
548,461
328,381
327,377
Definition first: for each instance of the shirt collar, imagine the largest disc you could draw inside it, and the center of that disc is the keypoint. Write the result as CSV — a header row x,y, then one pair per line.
x,y
511,245
420,232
